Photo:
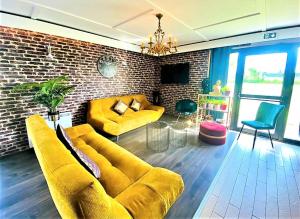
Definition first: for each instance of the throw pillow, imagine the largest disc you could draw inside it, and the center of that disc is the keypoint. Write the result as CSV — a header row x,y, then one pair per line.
x,y
81,157
135,105
120,107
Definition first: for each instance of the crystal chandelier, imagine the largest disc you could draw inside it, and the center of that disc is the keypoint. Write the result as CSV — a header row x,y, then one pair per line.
x,y
159,47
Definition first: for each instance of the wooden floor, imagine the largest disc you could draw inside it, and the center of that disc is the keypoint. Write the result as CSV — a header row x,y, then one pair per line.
x,y
263,183
24,192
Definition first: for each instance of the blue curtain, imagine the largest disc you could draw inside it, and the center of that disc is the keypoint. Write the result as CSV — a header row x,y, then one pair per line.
x,y
219,61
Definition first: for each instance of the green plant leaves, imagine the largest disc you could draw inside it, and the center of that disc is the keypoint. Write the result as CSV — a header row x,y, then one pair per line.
x,y
50,94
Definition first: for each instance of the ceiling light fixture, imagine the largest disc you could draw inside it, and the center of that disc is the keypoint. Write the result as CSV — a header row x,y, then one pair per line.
x,y
159,47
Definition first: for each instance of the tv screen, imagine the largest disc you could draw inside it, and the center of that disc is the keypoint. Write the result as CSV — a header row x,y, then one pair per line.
x,y
175,73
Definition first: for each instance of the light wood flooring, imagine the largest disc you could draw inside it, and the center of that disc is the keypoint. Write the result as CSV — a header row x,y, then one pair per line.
x,y
263,183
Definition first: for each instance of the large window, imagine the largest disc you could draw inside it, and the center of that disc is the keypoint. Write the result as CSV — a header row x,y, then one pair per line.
x,y
264,74
293,122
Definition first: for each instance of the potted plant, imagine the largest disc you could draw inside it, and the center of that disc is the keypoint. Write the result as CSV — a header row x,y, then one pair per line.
x,y
203,103
223,105
50,94
217,104
226,90
205,85
210,104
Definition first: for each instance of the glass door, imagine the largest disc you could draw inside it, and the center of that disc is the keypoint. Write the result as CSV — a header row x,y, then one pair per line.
x,y
262,76
292,130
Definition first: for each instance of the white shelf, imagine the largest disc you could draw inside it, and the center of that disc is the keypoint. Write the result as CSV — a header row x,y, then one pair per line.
x,y
204,111
222,111
209,95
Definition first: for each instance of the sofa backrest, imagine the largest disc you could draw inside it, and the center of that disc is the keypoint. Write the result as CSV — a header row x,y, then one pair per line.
x,y
68,182
105,106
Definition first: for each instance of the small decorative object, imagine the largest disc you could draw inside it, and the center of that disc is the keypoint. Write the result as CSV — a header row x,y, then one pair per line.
x,y
159,47
223,105
217,89
50,94
156,98
209,117
217,104
226,90
107,66
203,103
49,53
210,104
205,85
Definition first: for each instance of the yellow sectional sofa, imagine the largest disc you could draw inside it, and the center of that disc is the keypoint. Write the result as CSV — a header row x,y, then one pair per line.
x,y
102,116
128,187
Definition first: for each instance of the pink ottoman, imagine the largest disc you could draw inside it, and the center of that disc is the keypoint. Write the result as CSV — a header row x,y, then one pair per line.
x,y
212,133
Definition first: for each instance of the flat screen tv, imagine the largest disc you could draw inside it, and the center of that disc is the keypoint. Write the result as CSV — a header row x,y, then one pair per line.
x,y
175,73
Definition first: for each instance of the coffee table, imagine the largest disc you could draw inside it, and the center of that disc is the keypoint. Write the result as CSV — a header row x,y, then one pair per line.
x,y
178,134
157,136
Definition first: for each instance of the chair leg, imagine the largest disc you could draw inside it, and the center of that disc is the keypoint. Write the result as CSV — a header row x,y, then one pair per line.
x,y
240,132
270,138
255,133
178,117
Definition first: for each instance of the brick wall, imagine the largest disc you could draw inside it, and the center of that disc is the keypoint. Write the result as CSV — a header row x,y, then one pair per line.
x,y
23,59
198,71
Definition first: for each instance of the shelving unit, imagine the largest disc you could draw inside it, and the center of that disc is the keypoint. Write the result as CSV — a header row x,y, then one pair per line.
x,y
203,111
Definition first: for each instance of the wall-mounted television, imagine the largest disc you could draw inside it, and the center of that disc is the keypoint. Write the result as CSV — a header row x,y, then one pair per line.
x,y
175,73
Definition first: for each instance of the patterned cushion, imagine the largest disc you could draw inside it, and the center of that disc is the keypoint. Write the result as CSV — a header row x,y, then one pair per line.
x,y
135,105
120,107
81,157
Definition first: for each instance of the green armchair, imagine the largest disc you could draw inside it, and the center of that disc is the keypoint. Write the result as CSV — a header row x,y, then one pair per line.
x,y
185,107
266,118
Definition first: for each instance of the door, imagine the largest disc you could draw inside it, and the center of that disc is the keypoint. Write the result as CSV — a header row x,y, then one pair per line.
x,y
263,75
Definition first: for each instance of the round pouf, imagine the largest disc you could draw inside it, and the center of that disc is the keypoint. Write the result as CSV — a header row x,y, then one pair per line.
x,y
212,133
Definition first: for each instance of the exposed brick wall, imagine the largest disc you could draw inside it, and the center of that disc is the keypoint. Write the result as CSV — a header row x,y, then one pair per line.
x,y
23,59
198,71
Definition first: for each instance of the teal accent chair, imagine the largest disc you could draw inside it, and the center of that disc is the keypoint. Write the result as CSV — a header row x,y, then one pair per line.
x,y
185,107
266,118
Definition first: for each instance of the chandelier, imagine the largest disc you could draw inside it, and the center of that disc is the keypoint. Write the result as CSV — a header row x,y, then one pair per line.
x,y
159,47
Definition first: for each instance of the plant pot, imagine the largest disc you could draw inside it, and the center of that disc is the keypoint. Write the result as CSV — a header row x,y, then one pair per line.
x,y
210,106
53,116
227,93
204,105
223,107
217,106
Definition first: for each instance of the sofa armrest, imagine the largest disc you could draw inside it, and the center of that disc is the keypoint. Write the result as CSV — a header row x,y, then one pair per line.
x,y
104,124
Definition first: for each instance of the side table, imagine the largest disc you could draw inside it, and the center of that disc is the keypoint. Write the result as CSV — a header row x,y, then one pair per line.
x,y
157,136
178,134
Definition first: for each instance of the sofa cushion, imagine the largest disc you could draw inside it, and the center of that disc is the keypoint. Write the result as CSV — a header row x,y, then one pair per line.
x,y
120,107
135,105
150,197
112,179
81,157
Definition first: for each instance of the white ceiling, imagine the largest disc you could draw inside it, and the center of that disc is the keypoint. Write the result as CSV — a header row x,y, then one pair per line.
x,y
190,21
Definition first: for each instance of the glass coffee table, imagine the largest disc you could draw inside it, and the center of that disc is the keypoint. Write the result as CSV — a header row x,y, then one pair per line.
x,y
178,134
158,136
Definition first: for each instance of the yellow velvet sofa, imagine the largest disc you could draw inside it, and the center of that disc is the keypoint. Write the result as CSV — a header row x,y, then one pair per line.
x,y
128,187
102,116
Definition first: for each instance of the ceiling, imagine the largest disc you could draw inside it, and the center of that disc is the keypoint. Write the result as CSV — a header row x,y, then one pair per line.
x,y
190,21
